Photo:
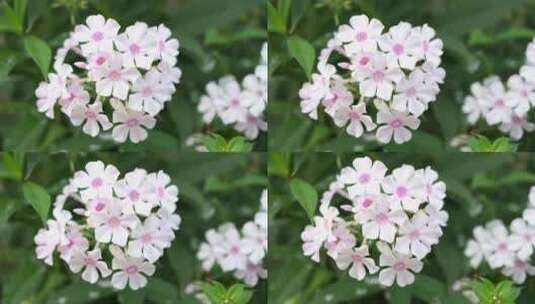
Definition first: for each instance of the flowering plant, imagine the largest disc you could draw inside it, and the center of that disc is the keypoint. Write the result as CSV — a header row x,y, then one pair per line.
x,y
399,214
505,105
241,105
121,81
398,70
242,253
106,226
507,249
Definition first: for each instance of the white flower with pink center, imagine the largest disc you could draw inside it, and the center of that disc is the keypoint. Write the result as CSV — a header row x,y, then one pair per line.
x,y
399,268
133,194
97,35
519,270
395,125
113,225
130,123
92,264
136,68
92,116
371,213
161,191
359,260
433,189
97,180
394,71
147,241
130,270
241,253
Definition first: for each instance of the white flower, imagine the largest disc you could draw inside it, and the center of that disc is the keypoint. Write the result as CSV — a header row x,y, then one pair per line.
x,y
133,191
93,118
355,116
361,35
340,239
136,46
210,251
148,94
113,224
405,187
364,177
234,255
130,123
395,125
313,92
519,270
160,191
92,262
252,126
502,253
97,180
113,79
359,260
522,238
434,190
380,221
428,48
251,273
73,240
399,267
377,79
255,241
130,272
232,104
416,236
47,240
97,35
413,94
166,47
397,44
474,251
75,96
147,241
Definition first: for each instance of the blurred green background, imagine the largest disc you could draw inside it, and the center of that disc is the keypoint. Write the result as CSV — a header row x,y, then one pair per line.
x,y
214,188
481,37
480,187
216,38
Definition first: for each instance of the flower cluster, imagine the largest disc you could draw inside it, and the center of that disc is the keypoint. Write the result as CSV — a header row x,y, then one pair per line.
x,y
401,214
117,227
118,80
241,105
399,69
242,252
507,249
505,105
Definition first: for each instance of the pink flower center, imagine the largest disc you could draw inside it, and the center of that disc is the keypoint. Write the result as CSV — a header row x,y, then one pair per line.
x,y
362,36
429,188
399,266
411,92
367,202
357,258
251,119
517,120
425,46
146,238
378,76
147,91
97,182
133,196
354,115
499,103
135,48
90,261
364,60
401,191
502,246
396,123
161,191
114,75
161,45
97,36
414,234
131,269
235,103
90,114
364,178
252,267
520,264
100,60
398,49
381,218
132,122
527,237
100,206
234,250
114,221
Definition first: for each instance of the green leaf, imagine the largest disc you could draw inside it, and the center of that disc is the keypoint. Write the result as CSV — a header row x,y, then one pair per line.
x,y
40,53
276,22
9,21
214,143
284,7
279,164
303,52
305,194
215,291
24,282
80,293
161,292
239,294
13,164
129,296
239,144
38,198
429,289
400,295
20,9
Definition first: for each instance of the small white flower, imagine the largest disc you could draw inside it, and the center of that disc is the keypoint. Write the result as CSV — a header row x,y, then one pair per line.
x,y
147,241
380,221
130,123
361,35
365,177
130,272
92,262
395,125
136,46
97,35
377,79
356,117
359,260
113,224
399,267
92,116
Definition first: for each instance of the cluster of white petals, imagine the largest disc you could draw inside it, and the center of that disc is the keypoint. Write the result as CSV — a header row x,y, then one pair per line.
x,y
105,226
507,249
241,105
118,81
399,214
506,105
394,75
240,252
